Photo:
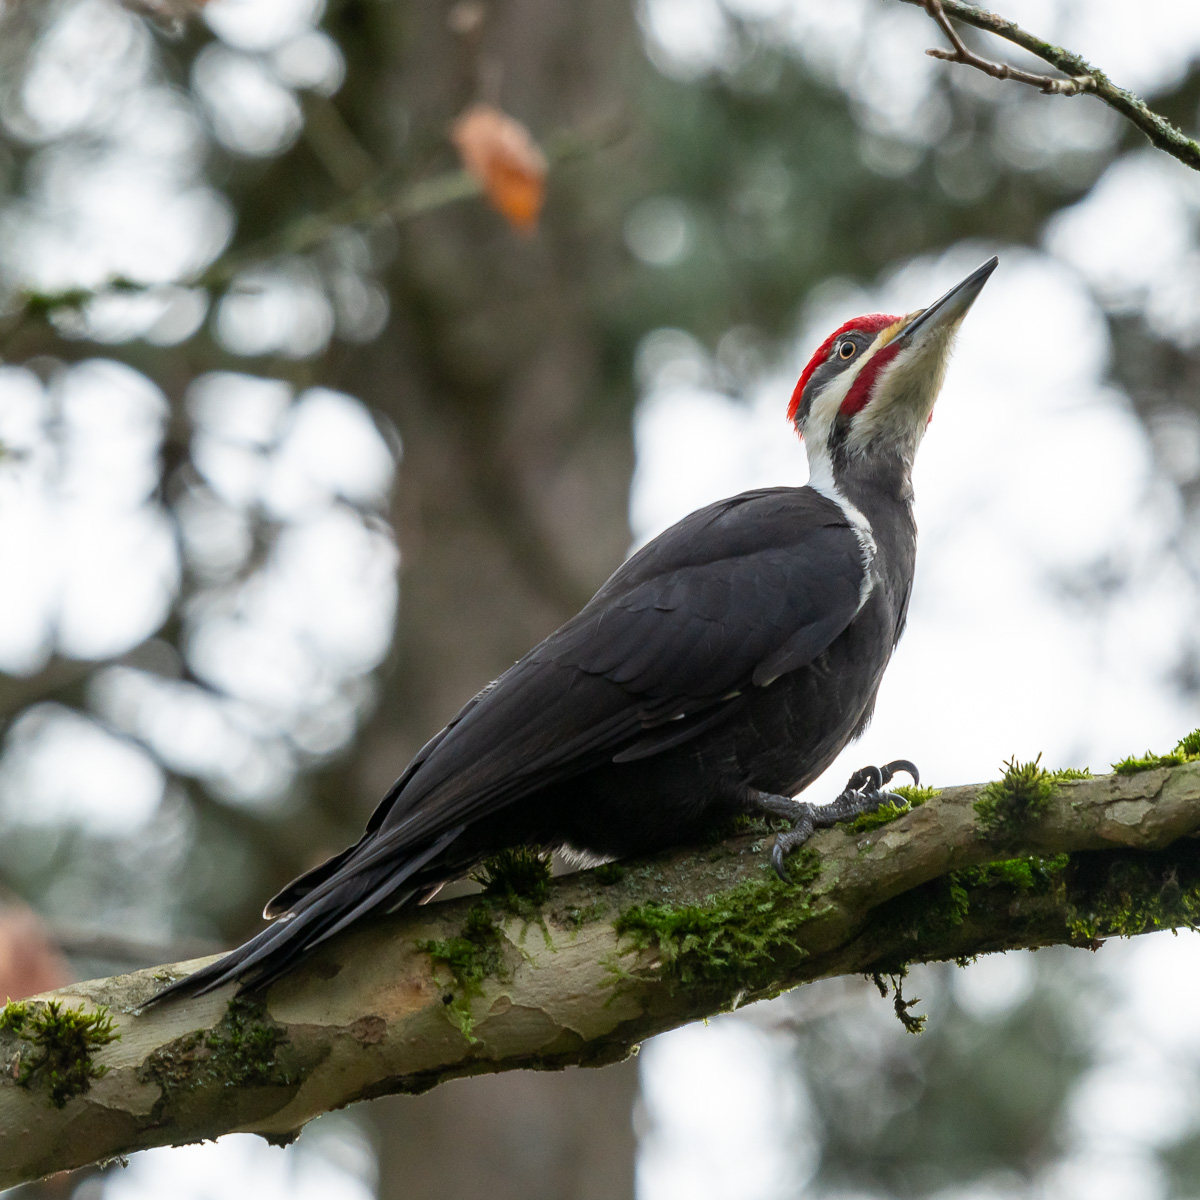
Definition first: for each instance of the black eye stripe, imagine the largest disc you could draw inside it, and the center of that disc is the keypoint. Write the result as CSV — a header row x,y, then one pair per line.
x,y
856,342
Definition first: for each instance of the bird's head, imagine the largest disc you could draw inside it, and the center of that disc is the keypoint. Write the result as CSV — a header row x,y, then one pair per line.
x,y
867,394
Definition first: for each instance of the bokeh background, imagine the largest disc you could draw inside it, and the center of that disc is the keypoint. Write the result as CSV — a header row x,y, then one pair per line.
x,y
258,542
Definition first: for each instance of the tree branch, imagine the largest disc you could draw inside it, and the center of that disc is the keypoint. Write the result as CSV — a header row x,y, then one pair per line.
x,y
1080,75
609,958
380,200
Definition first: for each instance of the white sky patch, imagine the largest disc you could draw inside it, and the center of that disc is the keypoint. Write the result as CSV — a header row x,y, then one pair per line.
x,y
250,111
707,1087
90,562
330,448
684,38
279,308
1031,470
331,1161
258,644
60,768
81,69
312,60
259,25
1145,47
1155,264
993,985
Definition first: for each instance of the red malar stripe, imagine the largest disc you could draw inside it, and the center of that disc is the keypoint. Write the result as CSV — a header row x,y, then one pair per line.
x,y
860,390
871,323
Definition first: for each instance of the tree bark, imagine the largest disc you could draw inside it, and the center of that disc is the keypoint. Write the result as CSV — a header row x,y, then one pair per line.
x,y
612,957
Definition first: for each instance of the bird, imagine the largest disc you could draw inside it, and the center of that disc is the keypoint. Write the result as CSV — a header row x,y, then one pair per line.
x,y
718,671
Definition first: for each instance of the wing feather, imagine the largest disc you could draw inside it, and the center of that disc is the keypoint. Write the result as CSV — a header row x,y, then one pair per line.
x,y
731,597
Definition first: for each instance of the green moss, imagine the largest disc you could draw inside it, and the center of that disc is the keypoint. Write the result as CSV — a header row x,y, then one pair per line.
x,y
471,958
609,873
518,878
916,796
13,1017
1187,749
885,814
1022,795
1132,764
1189,744
244,1045
61,1043
1024,874
901,1006
1067,773
577,917
931,910
911,797
245,1049
731,938
1130,894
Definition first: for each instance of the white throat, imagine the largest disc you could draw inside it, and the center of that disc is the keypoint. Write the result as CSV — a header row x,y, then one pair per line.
x,y
817,429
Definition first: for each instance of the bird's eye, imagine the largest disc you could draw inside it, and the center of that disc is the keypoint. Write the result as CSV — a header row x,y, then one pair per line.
x,y
846,350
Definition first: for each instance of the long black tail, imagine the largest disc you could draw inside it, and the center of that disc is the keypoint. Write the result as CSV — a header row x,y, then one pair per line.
x,y
346,896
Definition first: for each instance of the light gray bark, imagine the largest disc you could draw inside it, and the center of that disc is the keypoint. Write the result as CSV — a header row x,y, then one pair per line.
x,y
373,1013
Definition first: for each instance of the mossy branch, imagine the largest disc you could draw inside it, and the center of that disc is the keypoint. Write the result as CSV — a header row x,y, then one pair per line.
x,y
1078,75
582,971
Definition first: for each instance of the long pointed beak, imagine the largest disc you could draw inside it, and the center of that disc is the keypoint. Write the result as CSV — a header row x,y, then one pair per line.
x,y
951,308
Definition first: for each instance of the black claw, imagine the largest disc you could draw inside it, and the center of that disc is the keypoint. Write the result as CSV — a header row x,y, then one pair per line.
x,y
777,862
864,792
897,765
858,782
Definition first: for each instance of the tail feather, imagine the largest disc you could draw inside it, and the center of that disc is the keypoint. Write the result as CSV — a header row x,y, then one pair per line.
x,y
336,904
289,898
385,890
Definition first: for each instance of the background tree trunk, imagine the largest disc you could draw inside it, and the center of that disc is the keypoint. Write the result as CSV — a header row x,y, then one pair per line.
x,y
510,507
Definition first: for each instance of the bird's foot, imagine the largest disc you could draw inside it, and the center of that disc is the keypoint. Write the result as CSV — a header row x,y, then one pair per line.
x,y
864,792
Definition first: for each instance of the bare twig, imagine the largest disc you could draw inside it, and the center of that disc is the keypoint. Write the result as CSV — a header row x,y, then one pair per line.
x,y
367,206
375,202
1079,75
1070,86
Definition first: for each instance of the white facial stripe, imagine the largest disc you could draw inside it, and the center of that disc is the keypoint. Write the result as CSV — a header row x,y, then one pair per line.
x,y
818,425
817,428
823,412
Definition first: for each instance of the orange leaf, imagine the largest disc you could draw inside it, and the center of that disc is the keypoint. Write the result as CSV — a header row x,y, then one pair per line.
x,y
502,155
30,962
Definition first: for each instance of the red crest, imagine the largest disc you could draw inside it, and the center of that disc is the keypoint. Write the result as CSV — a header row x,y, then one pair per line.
x,y
872,323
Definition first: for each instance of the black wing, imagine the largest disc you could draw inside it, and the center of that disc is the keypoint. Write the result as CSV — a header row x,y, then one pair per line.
x,y
731,597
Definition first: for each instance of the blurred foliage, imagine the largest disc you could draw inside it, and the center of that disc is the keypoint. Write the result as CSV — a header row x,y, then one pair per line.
x,y
979,1097
716,196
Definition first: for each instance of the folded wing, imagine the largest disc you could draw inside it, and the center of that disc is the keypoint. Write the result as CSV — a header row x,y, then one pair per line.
x,y
732,597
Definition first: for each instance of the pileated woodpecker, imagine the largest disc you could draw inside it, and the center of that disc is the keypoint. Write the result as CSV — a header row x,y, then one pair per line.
x,y
719,671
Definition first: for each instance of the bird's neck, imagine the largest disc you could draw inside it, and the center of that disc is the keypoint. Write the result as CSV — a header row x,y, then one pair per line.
x,y
883,481
877,497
